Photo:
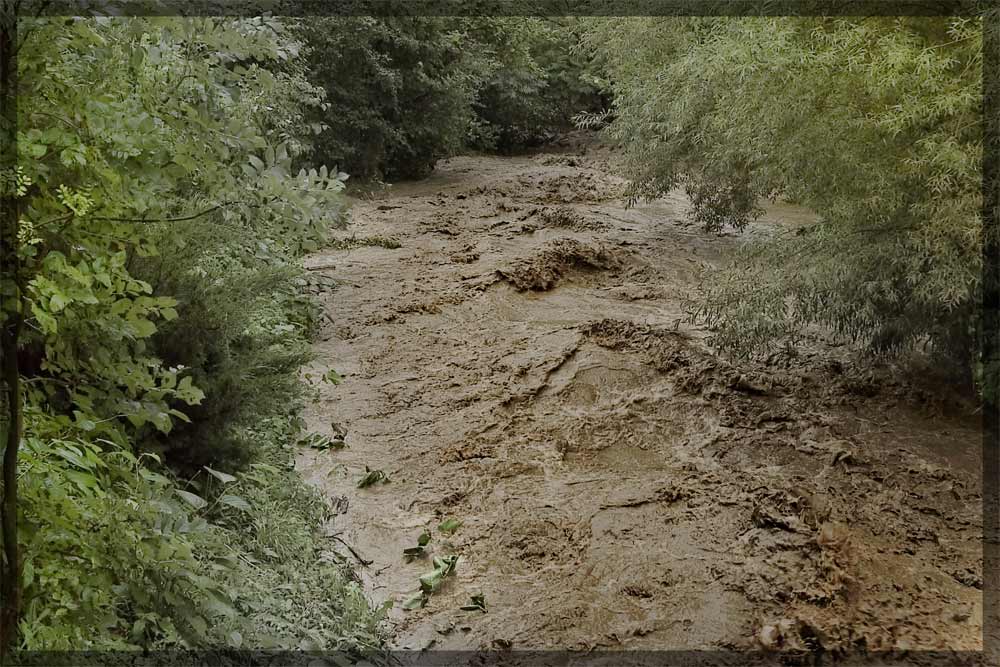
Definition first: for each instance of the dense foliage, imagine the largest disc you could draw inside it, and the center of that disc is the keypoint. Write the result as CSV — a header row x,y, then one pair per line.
x,y
119,554
150,292
540,79
399,91
875,124
403,92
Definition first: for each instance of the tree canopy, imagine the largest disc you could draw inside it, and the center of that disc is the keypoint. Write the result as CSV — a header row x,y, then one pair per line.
x,y
875,124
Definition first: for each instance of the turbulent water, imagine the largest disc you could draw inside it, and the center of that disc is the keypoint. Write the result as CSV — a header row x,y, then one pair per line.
x,y
521,364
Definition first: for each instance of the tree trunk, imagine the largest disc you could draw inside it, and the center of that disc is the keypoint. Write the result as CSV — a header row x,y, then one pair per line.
x,y
10,332
10,593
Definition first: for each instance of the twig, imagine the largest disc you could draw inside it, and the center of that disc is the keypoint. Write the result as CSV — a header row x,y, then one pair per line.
x,y
364,563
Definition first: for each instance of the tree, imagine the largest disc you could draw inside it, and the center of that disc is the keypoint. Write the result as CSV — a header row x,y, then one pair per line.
x,y
541,78
385,79
126,130
874,123
493,82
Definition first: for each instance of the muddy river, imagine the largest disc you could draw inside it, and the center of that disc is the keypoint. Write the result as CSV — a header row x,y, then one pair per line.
x,y
521,364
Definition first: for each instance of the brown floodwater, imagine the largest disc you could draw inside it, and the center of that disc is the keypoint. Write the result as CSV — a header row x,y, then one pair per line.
x,y
522,364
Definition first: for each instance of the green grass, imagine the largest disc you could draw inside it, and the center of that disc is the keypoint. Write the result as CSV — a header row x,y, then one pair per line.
x,y
297,591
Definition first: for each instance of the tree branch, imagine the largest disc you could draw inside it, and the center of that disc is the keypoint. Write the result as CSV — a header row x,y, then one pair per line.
x,y
179,219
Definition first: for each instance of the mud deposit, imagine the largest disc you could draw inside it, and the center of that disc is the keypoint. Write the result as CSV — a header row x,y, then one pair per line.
x,y
520,364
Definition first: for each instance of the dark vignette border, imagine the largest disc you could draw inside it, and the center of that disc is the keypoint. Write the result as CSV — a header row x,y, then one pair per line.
x,y
10,10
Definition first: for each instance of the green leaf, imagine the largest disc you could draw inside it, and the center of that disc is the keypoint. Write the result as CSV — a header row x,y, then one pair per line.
x,y
443,566
83,422
431,581
143,328
57,302
477,603
449,526
415,601
321,442
84,481
193,500
223,477
162,421
422,541
235,501
189,393
446,563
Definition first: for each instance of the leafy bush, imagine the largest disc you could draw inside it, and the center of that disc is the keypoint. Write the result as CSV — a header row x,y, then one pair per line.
x,y
110,551
403,92
120,163
398,91
241,336
875,124
119,554
540,80
150,239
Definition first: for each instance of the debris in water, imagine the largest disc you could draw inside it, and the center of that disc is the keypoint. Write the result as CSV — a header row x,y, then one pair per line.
x,y
541,271
372,477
